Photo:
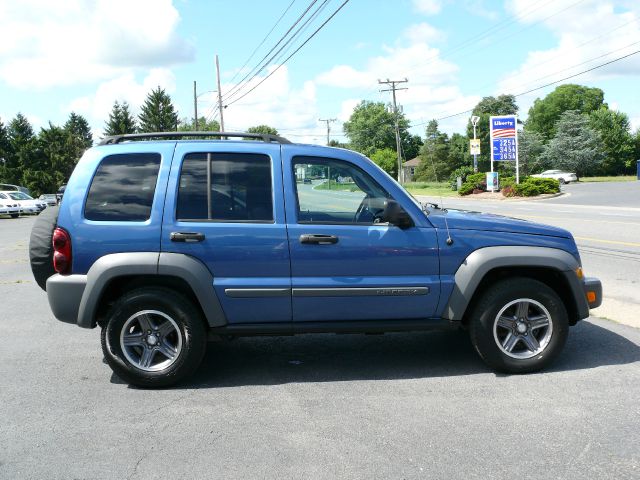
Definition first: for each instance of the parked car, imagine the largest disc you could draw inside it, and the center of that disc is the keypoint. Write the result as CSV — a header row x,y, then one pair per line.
x,y
50,199
27,204
60,192
562,177
9,206
214,239
10,187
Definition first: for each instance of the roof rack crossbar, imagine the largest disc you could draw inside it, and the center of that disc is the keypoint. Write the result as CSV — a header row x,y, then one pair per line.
x,y
265,137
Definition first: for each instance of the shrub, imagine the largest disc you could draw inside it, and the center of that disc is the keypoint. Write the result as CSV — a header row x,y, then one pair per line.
x,y
508,191
459,172
545,185
466,189
506,182
526,189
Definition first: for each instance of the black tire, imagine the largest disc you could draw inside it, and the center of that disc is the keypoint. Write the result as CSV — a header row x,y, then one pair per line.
x,y
41,248
187,318
562,181
485,330
15,215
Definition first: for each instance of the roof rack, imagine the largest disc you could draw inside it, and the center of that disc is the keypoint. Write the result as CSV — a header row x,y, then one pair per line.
x,y
265,137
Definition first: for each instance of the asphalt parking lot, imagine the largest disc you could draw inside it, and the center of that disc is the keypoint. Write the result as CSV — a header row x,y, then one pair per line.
x,y
317,406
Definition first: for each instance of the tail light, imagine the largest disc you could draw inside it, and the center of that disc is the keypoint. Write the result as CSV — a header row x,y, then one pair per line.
x,y
61,251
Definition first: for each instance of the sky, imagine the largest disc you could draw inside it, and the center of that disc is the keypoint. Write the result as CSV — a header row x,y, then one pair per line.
x,y
82,55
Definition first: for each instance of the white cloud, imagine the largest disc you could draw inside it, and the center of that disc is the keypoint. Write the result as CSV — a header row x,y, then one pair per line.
x,y
45,44
432,87
292,112
423,32
428,7
588,34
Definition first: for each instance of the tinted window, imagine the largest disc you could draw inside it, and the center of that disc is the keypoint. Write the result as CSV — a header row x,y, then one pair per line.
x,y
334,191
239,187
123,188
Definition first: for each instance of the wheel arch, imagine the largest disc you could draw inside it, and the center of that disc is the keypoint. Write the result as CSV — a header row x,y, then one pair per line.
x,y
482,268
114,274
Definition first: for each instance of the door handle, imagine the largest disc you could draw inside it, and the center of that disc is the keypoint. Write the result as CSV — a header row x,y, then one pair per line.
x,y
318,239
186,237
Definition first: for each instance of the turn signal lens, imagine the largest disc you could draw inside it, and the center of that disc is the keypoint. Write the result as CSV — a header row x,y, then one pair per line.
x,y
579,273
61,251
591,297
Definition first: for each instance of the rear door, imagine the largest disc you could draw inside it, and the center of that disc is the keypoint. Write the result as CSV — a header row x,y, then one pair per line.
x,y
225,207
347,264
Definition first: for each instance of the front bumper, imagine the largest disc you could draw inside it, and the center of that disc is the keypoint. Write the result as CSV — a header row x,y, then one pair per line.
x,y
64,293
592,291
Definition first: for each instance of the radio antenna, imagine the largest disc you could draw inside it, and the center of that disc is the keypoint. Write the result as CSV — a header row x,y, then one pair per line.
x,y
444,211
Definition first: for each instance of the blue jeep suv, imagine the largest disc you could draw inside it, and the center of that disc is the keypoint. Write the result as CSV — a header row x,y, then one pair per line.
x,y
168,240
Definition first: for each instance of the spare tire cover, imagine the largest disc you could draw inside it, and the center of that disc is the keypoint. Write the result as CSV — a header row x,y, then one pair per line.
x,y
40,246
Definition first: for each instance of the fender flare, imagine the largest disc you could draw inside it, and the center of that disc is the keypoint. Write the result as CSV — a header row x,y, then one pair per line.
x,y
480,262
110,267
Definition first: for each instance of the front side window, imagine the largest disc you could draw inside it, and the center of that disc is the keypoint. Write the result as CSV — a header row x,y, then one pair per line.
x,y
338,192
123,188
225,187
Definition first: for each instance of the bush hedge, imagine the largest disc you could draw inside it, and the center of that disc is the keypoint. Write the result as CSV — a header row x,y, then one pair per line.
x,y
528,187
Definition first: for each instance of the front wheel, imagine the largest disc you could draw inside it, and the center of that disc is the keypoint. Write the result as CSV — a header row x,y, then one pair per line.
x,y
519,325
15,215
562,181
153,337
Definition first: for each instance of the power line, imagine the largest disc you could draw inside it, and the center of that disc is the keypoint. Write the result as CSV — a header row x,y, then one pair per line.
x,y
262,42
282,49
294,52
546,85
328,121
393,89
259,64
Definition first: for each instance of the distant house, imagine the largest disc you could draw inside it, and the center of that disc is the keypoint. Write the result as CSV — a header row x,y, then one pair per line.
x,y
409,169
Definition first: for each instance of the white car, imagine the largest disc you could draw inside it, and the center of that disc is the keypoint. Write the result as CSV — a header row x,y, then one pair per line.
x,y
27,204
9,207
562,177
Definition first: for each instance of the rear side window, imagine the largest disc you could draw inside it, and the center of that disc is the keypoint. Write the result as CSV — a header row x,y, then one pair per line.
x,y
123,188
225,187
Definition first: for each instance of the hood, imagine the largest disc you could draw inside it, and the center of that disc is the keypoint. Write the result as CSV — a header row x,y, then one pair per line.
x,y
488,222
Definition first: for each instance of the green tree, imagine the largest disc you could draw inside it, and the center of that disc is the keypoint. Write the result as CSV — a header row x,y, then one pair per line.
x,y
434,155
78,140
5,152
636,140
530,149
617,142
120,121
386,159
371,127
204,125
263,129
22,143
576,146
458,152
158,113
545,112
411,145
337,144
488,106
57,160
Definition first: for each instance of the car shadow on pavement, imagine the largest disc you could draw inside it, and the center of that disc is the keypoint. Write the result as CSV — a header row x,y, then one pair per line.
x,y
332,358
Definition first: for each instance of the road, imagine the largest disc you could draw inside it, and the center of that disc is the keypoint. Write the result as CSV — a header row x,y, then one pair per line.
x,y
605,221
413,406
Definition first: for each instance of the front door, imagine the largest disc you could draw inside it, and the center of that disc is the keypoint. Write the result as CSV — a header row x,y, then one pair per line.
x,y
224,206
346,264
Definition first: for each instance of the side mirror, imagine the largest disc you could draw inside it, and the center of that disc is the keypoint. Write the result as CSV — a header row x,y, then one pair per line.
x,y
396,215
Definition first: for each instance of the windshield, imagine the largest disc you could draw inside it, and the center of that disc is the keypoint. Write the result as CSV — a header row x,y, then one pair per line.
x,y
20,196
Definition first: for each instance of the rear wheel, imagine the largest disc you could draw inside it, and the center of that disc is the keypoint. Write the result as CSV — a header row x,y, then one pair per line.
x,y
15,215
153,337
562,181
519,325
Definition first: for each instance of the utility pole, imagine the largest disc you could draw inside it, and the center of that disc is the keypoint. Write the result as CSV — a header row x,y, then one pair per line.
x,y
219,96
328,120
195,106
393,89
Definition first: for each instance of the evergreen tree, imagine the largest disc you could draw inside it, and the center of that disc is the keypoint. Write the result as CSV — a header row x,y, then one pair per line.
x,y
530,149
434,155
158,113
5,152
121,121
576,147
78,127
22,143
